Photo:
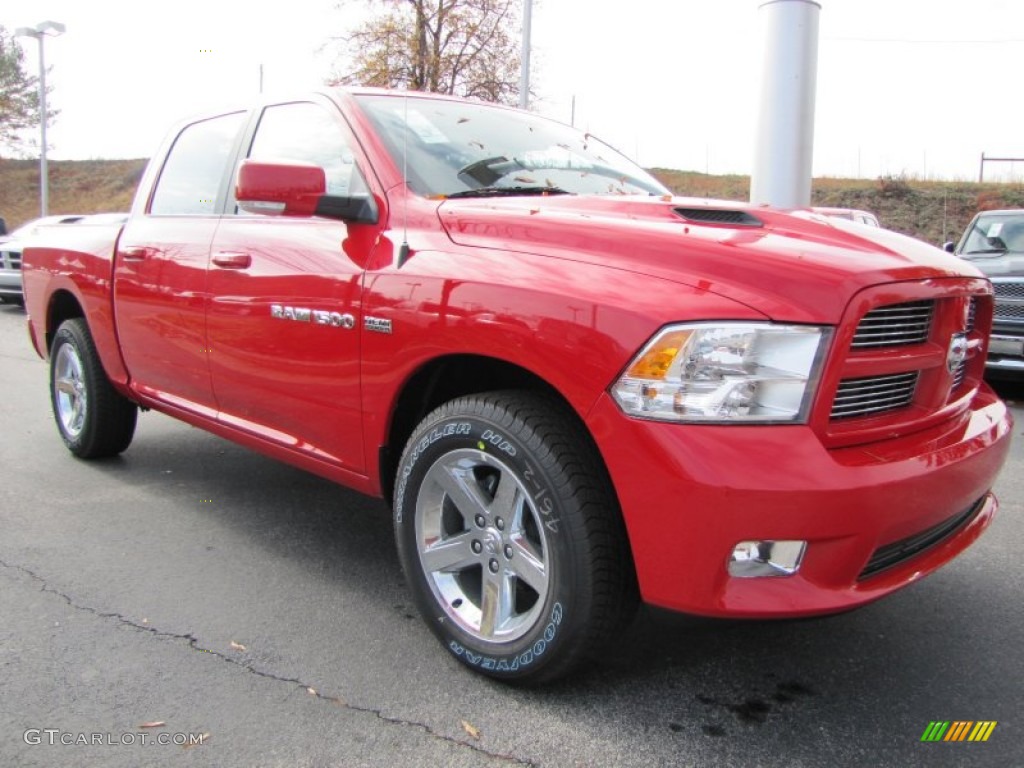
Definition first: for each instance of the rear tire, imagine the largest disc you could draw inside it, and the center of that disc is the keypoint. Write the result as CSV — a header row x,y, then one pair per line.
x,y
511,537
93,419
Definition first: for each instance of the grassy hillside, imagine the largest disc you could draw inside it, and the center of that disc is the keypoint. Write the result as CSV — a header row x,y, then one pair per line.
x,y
934,211
76,186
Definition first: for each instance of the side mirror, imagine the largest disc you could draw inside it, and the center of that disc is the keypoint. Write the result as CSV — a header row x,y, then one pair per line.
x,y
949,247
296,189
276,188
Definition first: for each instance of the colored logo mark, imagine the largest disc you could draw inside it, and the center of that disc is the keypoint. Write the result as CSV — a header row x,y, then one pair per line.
x,y
958,730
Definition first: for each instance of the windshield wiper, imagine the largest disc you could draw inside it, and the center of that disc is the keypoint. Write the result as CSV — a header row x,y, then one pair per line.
x,y
987,250
509,191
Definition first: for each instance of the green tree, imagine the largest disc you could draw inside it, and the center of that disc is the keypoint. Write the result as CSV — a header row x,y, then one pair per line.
x,y
461,47
19,97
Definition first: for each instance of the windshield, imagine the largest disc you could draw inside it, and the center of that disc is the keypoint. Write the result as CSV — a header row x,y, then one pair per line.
x,y
469,149
995,234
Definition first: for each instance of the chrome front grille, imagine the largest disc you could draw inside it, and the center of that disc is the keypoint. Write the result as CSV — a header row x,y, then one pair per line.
x,y
10,259
874,394
1008,289
895,325
958,376
1009,299
972,316
908,361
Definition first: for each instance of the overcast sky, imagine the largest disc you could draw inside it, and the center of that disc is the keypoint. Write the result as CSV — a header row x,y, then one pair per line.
x,y
916,87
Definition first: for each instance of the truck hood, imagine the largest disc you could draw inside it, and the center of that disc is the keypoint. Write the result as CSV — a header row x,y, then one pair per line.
x,y
792,266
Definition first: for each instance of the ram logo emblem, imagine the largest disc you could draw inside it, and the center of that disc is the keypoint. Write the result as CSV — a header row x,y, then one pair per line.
x,y
957,352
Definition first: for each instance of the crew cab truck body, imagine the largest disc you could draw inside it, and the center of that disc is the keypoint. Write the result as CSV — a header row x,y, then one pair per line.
x,y
573,389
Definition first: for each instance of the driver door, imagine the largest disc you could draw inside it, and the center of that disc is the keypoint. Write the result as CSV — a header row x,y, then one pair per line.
x,y
285,308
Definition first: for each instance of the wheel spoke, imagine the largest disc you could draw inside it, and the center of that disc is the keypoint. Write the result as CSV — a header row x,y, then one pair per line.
x,y
66,385
508,500
466,498
450,554
496,602
528,565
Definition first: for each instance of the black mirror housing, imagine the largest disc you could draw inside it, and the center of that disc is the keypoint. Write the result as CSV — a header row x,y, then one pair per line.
x,y
357,209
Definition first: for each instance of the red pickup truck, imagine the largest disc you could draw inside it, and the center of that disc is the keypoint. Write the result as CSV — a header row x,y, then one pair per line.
x,y
574,390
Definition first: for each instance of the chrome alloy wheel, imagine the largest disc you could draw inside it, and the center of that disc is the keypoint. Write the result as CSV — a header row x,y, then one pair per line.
x,y
69,391
482,545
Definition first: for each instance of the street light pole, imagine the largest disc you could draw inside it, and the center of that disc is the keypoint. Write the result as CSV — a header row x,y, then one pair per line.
x,y
39,31
524,57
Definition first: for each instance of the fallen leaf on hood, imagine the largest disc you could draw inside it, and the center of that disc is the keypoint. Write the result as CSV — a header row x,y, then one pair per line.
x,y
153,724
472,730
237,646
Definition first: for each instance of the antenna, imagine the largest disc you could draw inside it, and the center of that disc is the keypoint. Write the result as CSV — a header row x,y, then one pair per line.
x,y
403,249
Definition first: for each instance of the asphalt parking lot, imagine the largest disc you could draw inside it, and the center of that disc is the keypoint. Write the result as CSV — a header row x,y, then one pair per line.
x,y
260,612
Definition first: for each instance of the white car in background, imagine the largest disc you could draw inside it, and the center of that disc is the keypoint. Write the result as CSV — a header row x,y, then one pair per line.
x,y
850,214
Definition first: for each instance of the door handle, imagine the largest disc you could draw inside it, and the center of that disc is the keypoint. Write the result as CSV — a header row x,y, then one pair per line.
x,y
136,253
232,260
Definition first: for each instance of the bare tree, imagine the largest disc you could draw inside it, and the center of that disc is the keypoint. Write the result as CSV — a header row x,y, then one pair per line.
x,y
19,97
462,47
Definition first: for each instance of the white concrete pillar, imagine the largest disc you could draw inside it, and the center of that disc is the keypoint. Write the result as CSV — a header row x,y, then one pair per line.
x,y
785,128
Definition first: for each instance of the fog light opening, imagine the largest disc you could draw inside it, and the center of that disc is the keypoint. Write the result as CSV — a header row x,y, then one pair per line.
x,y
760,559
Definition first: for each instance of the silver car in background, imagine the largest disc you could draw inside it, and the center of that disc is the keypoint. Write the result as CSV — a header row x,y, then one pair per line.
x,y
994,243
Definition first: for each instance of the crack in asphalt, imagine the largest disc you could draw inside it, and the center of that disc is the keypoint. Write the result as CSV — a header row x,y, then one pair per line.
x,y
193,643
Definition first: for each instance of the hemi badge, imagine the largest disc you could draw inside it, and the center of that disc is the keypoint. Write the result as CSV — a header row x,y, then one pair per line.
x,y
377,324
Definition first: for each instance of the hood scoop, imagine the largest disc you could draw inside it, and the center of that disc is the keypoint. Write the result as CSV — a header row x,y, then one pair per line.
x,y
720,216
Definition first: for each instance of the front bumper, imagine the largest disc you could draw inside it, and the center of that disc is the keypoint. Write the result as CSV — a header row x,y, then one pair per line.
x,y
689,494
10,284
1005,352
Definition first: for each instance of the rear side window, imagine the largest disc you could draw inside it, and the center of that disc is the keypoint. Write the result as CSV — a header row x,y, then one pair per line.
x,y
195,167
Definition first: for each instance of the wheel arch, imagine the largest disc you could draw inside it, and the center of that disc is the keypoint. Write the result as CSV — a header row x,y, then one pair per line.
x,y
63,305
446,378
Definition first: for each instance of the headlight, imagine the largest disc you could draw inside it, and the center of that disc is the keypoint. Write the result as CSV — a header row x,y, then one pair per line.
x,y
725,372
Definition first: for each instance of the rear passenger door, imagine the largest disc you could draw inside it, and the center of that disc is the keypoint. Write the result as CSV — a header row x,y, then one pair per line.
x,y
285,308
160,282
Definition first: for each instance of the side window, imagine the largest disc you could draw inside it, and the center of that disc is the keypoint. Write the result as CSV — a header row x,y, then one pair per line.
x,y
306,133
195,166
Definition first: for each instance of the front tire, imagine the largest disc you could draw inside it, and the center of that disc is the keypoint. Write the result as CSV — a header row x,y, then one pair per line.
x,y
510,536
93,419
